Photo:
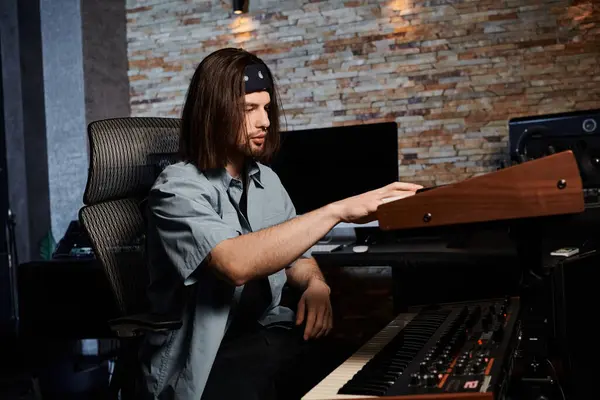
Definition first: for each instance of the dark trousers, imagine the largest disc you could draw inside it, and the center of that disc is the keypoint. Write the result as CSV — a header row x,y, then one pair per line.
x,y
264,364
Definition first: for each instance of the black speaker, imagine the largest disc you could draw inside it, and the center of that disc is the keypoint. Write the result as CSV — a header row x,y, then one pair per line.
x,y
541,135
574,303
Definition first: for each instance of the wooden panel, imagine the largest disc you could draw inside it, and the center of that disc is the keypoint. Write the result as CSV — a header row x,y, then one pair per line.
x,y
531,189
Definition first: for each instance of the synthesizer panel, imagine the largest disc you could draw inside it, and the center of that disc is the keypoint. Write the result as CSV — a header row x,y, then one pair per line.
x,y
454,351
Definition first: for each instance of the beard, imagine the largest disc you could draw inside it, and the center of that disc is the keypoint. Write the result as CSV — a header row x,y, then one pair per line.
x,y
250,150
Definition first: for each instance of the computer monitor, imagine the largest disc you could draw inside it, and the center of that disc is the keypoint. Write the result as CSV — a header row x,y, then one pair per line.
x,y
320,166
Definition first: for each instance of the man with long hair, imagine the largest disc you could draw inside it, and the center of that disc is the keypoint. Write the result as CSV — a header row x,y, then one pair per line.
x,y
224,239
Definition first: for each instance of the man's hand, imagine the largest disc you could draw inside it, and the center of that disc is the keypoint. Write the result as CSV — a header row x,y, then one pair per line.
x,y
361,208
315,308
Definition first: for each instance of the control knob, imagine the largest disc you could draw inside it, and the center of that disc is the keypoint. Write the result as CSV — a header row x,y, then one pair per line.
x,y
459,368
415,379
430,380
439,365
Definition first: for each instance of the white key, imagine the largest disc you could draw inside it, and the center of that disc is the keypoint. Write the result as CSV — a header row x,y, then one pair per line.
x,y
327,389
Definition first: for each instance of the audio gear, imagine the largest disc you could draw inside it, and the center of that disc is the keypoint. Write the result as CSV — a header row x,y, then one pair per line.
x,y
538,136
409,358
565,252
572,286
453,351
75,244
548,186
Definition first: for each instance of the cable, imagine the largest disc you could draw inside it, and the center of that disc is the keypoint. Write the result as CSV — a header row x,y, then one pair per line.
x,y
12,236
556,379
13,261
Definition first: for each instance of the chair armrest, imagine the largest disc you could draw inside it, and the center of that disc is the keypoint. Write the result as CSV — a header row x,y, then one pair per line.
x,y
138,324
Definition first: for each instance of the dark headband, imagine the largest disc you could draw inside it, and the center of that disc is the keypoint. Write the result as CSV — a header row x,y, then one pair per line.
x,y
257,78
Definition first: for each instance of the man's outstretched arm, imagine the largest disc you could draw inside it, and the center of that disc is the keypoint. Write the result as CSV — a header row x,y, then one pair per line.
x,y
269,250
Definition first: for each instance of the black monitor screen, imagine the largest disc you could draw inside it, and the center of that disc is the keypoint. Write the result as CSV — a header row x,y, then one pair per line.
x,y
320,166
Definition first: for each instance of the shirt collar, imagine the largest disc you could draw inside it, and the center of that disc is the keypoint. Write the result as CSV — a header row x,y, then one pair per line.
x,y
221,177
254,173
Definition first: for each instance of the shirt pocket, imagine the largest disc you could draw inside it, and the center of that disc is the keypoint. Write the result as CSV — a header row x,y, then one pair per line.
x,y
230,217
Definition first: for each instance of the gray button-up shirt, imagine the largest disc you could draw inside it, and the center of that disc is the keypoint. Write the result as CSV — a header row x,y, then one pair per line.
x,y
190,212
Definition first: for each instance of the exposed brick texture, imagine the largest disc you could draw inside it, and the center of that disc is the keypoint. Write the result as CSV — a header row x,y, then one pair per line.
x,y
450,72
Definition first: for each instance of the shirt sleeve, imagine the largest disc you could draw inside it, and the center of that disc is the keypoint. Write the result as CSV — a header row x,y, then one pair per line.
x,y
187,225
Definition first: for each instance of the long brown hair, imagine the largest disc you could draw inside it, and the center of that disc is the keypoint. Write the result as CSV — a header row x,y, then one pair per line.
x,y
213,115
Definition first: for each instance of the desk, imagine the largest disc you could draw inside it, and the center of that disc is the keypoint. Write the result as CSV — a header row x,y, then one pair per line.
x,y
429,271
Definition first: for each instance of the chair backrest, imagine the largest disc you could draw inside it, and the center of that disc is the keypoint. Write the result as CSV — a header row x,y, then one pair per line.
x,y
126,156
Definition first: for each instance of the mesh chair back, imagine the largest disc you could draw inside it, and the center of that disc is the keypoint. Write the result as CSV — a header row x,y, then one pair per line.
x,y
126,156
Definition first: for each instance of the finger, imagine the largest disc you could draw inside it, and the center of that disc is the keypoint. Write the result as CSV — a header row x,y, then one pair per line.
x,y
310,323
318,330
324,323
405,186
320,324
397,197
300,311
329,322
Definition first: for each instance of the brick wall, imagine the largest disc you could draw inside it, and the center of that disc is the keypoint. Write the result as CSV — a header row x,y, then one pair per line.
x,y
450,72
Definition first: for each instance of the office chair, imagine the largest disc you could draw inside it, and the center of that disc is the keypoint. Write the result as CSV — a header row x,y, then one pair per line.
x,y
126,156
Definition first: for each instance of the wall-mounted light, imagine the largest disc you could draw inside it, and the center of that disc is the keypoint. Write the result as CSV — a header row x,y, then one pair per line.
x,y
240,6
